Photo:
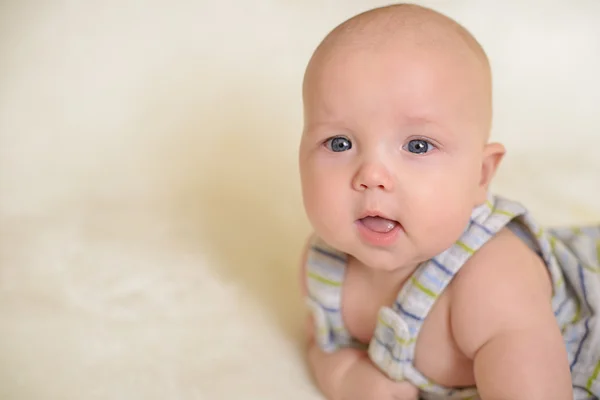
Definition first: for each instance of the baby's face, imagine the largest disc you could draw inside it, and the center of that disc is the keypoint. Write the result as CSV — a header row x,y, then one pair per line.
x,y
391,153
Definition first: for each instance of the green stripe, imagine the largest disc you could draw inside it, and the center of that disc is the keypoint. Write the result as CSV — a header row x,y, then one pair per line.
x,y
553,243
577,312
577,231
539,233
502,212
557,285
398,339
598,250
560,282
465,247
324,280
422,288
563,327
590,381
590,268
489,204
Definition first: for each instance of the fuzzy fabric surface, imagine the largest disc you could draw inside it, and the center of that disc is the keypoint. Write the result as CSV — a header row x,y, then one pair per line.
x,y
150,211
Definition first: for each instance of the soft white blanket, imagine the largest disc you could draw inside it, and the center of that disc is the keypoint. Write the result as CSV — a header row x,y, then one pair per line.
x,y
150,213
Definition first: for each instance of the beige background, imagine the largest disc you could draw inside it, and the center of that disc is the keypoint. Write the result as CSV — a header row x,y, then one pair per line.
x,y
150,213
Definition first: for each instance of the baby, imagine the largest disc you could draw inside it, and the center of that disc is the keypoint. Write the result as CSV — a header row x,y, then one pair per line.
x,y
420,282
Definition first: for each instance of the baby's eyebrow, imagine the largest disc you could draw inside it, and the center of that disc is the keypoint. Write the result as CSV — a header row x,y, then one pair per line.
x,y
426,125
323,128
314,133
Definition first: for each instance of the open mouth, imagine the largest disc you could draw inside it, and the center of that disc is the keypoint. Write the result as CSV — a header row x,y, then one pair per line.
x,y
378,230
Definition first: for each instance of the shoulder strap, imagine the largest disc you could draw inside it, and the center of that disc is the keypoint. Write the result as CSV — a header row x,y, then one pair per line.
x,y
325,270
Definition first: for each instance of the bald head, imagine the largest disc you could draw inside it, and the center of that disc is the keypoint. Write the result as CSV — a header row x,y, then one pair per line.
x,y
408,22
403,30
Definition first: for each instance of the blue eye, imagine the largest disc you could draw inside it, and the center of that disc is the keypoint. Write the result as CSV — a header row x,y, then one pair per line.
x,y
338,144
419,146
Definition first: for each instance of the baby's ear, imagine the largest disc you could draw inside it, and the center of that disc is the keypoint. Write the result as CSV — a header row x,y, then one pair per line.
x,y
492,155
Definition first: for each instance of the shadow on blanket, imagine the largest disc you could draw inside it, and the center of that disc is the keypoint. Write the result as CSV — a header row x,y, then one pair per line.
x,y
238,192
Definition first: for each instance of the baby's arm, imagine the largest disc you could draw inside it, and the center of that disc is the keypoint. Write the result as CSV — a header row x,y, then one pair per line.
x,y
502,318
349,374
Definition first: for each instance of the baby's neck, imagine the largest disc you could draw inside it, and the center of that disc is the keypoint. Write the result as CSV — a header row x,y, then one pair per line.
x,y
383,278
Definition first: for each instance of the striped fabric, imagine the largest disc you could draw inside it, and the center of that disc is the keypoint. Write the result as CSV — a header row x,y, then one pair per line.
x,y
571,255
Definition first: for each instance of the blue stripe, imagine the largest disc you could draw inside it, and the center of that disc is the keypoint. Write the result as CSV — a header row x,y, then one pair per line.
x,y
587,320
336,257
389,349
573,336
585,335
584,389
331,310
483,228
560,306
326,265
593,231
403,311
441,267
572,341
431,277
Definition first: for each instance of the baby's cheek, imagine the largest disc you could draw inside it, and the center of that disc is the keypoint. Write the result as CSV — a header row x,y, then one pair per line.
x,y
452,219
444,216
330,214
328,205
320,203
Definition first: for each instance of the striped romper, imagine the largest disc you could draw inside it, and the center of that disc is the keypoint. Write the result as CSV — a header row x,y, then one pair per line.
x,y
571,255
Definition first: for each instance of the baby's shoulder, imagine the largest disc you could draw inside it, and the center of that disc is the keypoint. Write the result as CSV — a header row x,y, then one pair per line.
x,y
505,258
502,284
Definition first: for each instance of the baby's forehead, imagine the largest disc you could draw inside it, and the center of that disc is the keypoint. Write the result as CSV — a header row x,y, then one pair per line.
x,y
420,43
411,76
399,28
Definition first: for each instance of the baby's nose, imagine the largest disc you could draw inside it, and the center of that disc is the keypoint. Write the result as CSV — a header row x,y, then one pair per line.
x,y
373,176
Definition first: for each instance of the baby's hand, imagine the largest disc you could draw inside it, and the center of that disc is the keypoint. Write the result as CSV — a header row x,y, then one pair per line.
x,y
363,381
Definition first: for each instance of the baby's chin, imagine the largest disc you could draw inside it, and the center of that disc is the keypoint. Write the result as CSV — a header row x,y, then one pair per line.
x,y
386,259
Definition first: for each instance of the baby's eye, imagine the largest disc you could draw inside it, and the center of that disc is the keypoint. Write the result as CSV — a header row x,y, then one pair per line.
x,y
338,144
419,146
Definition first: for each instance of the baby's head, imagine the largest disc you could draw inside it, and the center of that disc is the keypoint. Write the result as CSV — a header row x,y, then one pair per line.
x,y
397,115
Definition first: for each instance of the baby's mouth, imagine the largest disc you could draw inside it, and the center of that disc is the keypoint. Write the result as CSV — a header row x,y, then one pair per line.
x,y
379,224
